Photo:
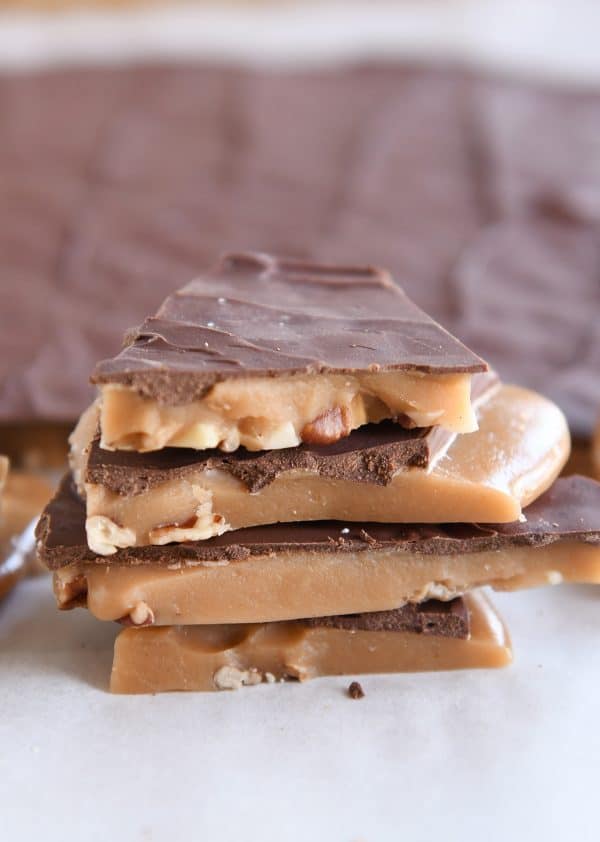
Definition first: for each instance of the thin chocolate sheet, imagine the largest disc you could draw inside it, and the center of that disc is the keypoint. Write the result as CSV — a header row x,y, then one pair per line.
x,y
442,619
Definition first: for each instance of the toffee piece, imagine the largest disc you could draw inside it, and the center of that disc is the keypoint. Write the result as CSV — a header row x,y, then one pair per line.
x,y
174,495
290,571
373,453
355,690
11,565
233,656
268,353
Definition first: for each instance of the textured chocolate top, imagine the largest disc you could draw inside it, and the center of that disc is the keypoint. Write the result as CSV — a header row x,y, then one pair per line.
x,y
256,314
442,619
372,453
430,171
570,510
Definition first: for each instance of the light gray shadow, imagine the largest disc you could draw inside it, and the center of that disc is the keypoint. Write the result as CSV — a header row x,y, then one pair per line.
x,y
34,632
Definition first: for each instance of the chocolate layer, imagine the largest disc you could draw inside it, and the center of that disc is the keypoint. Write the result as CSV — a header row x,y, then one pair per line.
x,y
259,315
570,510
442,619
373,453
428,170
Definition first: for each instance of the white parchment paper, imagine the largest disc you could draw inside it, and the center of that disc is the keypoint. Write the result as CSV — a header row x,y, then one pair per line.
x,y
499,755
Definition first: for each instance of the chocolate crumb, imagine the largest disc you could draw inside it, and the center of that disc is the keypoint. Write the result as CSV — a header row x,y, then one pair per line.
x,y
355,691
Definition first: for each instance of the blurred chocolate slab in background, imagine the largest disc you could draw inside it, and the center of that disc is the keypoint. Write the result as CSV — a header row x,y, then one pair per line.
x,y
467,186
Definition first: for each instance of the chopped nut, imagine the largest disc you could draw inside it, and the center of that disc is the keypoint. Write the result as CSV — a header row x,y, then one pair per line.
x,y
204,524
261,434
355,691
141,615
232,678
200,436
104,536
70,592
438,590
328,427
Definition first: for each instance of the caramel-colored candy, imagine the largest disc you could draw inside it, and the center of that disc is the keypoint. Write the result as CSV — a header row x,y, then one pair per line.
x,y
232,656
487,476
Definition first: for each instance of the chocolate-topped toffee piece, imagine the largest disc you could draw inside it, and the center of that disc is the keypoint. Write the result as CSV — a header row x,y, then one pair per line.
x,y
569,510
466,633
289,571
268,353
373,453
172,495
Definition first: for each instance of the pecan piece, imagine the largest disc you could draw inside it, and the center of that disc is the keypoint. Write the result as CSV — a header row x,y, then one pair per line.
x,y
328,427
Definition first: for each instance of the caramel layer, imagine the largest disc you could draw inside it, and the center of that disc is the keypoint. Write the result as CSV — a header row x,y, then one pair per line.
x,y
485,477
231,656
287,586
267,413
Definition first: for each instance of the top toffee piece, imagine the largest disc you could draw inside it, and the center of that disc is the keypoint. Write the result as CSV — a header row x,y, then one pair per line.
x,y
268,354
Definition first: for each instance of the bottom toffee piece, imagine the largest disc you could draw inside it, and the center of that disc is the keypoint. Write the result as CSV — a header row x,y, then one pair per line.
x,y
465,633
289,571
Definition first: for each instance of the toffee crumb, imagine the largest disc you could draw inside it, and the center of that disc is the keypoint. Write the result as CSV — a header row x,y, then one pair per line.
x,y
355,691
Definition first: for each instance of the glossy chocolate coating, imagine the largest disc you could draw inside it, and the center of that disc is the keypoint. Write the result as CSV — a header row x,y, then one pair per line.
x,y
260,315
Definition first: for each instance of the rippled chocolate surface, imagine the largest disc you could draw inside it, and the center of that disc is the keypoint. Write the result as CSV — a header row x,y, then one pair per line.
x,y
118,185
258,314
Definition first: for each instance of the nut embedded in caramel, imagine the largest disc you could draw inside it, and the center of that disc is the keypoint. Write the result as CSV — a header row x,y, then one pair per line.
x,y
104,536
328,428
232,678
140,615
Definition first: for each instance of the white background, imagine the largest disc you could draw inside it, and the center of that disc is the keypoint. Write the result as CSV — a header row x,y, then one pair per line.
x,y
556,38
506,755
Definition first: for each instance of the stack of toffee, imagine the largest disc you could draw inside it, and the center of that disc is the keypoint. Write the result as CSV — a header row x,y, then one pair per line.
x,y
292,471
